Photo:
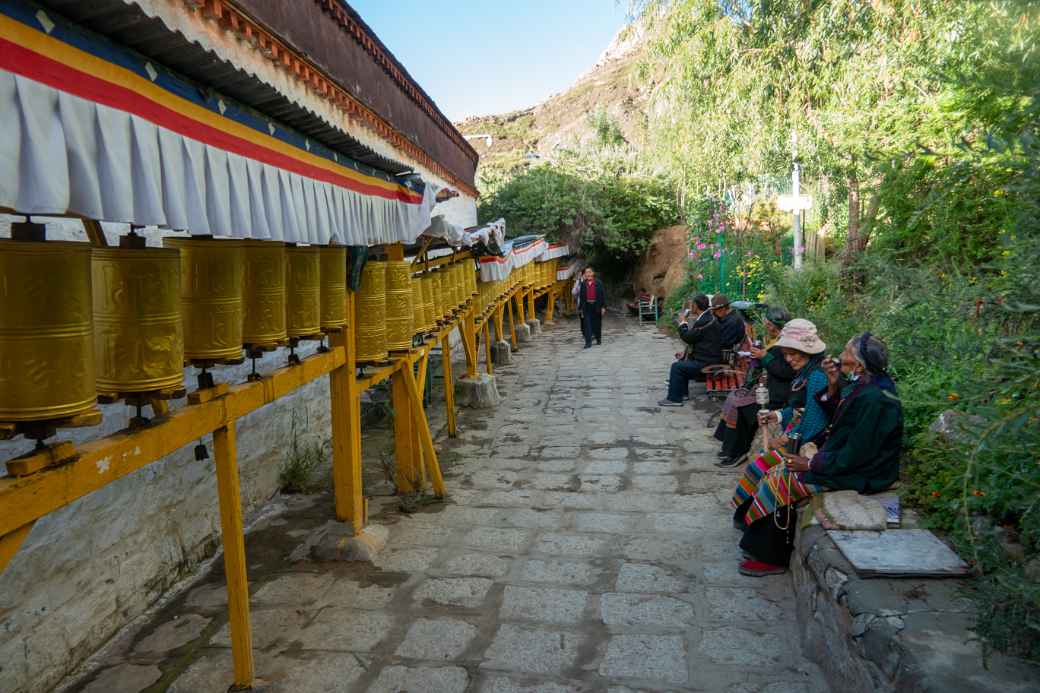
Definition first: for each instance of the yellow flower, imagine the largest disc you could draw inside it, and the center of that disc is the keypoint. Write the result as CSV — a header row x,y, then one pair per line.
x,y
953,397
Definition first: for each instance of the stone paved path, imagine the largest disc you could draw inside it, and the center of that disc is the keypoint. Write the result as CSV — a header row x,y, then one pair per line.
x,y
586,547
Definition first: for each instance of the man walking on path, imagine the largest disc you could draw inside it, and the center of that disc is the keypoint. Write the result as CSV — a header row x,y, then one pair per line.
x,y
592,304
703,337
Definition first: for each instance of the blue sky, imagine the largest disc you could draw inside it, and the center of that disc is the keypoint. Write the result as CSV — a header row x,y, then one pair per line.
x,y
481,57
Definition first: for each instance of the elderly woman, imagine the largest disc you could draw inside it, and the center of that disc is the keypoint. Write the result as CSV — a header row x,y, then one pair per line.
x,y
802,349
860,451
739,420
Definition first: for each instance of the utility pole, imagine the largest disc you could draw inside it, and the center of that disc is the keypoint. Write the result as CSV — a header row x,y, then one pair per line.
x,y
796,192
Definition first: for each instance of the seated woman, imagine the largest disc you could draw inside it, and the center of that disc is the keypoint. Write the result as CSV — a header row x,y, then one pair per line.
x,y
739,420
860,452
803,350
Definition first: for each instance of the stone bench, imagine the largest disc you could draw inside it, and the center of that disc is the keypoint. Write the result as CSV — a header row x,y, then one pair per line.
x,y
888,634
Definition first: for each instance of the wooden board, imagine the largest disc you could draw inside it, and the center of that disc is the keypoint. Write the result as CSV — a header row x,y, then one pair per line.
x,y
899,553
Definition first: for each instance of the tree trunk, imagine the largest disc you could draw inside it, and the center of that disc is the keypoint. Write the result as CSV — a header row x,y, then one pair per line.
x,y
852,244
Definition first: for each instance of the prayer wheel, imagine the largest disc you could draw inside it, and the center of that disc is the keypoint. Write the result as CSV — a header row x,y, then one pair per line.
x,y
138,337
46,342
456,286
429,316
302,292
333,287
471,279
437,288
370,333
211,297
399,313
263,293
418,321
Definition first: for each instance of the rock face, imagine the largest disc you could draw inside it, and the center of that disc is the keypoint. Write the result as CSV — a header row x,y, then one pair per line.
x,y
663,266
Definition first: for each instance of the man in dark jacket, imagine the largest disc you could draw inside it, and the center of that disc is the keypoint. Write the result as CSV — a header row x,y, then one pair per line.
x,y
592,304
731,328
704,349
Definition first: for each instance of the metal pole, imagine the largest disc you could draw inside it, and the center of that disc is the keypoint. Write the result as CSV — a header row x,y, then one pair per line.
x,y
796,191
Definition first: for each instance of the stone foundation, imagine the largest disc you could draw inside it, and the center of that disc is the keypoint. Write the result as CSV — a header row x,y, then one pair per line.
x,y
501,353
523,332
536,326
480,392
892,634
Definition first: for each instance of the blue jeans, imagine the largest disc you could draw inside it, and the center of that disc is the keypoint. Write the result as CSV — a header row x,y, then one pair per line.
x,y
682,372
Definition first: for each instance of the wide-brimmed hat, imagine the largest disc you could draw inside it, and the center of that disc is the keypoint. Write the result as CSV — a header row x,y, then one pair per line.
x,y
719,301
801,334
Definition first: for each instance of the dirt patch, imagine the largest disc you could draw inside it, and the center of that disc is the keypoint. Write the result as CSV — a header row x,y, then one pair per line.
x,y
663,266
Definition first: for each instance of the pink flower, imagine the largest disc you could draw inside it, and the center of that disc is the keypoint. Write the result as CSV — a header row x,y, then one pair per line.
x,y
700,276
748,253
719,229
701,246
717,254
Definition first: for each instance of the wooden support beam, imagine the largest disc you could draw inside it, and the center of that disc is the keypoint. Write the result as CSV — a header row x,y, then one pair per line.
x,y
550,306
487,349
449,387
229,494
11,542
512,324
429,454
95,234
346,426
468,330
373,379
518,300
531,315
406,475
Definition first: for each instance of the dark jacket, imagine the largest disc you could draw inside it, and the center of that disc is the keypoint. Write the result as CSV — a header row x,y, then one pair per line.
x,y
779,375
601,297
703,338
864,441
732,330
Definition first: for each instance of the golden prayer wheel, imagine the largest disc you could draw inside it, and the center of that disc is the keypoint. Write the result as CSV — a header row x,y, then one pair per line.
x,y
138,337
399,313
211,297
263,293
370,332
46,342
333,287
302,292
429,316
437,288
456,283
418,322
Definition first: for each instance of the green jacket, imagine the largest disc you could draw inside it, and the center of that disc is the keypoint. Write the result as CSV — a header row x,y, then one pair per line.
x,y
864,441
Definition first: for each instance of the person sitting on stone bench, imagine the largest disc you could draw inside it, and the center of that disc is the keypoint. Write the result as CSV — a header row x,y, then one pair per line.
x,y
732,331
860,451
739,420
704,348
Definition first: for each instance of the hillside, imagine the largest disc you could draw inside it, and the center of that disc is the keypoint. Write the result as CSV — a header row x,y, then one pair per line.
x,y
565,121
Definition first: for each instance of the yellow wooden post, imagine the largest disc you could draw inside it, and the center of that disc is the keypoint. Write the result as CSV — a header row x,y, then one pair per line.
x,y
468,330
531,315
487,347
512,323
518,300
11,542
230,497
550,306
406,477
449,386
425,438
346,428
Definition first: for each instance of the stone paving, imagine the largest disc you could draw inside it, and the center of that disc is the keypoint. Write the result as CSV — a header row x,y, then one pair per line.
x,y
586,546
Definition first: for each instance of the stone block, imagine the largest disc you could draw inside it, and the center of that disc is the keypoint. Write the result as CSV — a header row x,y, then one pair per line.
x,y
269,627
129,678
660,658
468,592
476,564
611,523
172,634
531,650
628,609
536,326
480,392
501,353
559,572
523,332
501,539
437,639
543,604
641,577
346,630
572,544
399,679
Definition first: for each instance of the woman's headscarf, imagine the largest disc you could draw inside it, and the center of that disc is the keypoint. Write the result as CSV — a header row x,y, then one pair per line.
x,y
872,354
778,317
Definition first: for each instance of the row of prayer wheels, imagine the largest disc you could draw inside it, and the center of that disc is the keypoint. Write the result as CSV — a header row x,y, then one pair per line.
x,y
76,320
393,307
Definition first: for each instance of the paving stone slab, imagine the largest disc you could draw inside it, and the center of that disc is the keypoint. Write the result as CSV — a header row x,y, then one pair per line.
x,y
469,563
613,523
554,481
600,483
346,630
558,466
466,592
293,589
500,539
656,483
126,678
501,684
559,572
173,634
403,679
530,518
533,650
630,609
437,639
743,646
405,560
543,604
572,544
641,577
269,627
656,657
608,466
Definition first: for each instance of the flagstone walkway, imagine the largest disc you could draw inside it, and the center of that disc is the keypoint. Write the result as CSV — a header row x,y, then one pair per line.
x,y
586,546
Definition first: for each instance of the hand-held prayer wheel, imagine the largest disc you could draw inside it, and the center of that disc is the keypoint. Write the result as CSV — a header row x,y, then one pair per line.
x,y
370,332
303,292
333,287
399,313
263,295
138,337
211,297
46,342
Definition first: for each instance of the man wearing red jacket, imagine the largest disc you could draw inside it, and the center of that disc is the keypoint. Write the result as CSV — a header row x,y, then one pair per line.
x,y
592,304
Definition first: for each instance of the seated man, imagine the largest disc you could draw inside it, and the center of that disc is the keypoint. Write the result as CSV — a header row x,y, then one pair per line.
x,y
732,330
702,336
861,452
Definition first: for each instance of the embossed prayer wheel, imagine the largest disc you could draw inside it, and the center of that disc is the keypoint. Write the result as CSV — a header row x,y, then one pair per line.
x,y
46,342
429,316
458,292
211,297
138,337
333,287
399,313
418,322
437,288
302,292
263,293
471,279
370,334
